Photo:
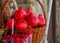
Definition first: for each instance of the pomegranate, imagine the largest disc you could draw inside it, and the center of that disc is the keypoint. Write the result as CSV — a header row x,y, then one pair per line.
x,y
9,23
16,15
15,35
20,14
29,10
21,25
19,40
8,37
33,20
41,20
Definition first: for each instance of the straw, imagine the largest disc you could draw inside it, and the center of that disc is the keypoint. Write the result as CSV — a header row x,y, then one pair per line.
x,y
12,29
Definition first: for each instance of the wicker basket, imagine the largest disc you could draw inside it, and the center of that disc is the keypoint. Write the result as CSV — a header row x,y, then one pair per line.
x,y
38,33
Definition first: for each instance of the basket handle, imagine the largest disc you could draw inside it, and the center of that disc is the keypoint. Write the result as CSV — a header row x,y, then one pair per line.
x,y
2,13
43,9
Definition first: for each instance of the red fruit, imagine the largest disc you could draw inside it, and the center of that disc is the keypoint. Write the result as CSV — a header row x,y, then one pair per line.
x,y
9,23
14,22
33,20
19,40
29,10
20,14
21,25
8,37
16,15
15,35
41,20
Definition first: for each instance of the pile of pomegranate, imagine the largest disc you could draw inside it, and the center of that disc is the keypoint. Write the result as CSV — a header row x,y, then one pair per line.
x,y
24,37
22,21
25,19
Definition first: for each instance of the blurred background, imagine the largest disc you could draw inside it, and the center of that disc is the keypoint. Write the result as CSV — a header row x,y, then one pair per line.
x,y
54,28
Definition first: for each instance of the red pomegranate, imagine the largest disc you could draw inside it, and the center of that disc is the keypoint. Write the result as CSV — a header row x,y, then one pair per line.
x,y
33,20
8,37
19,40
41,20
16,15
21,25
15,35
29,10
20,14
9,23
